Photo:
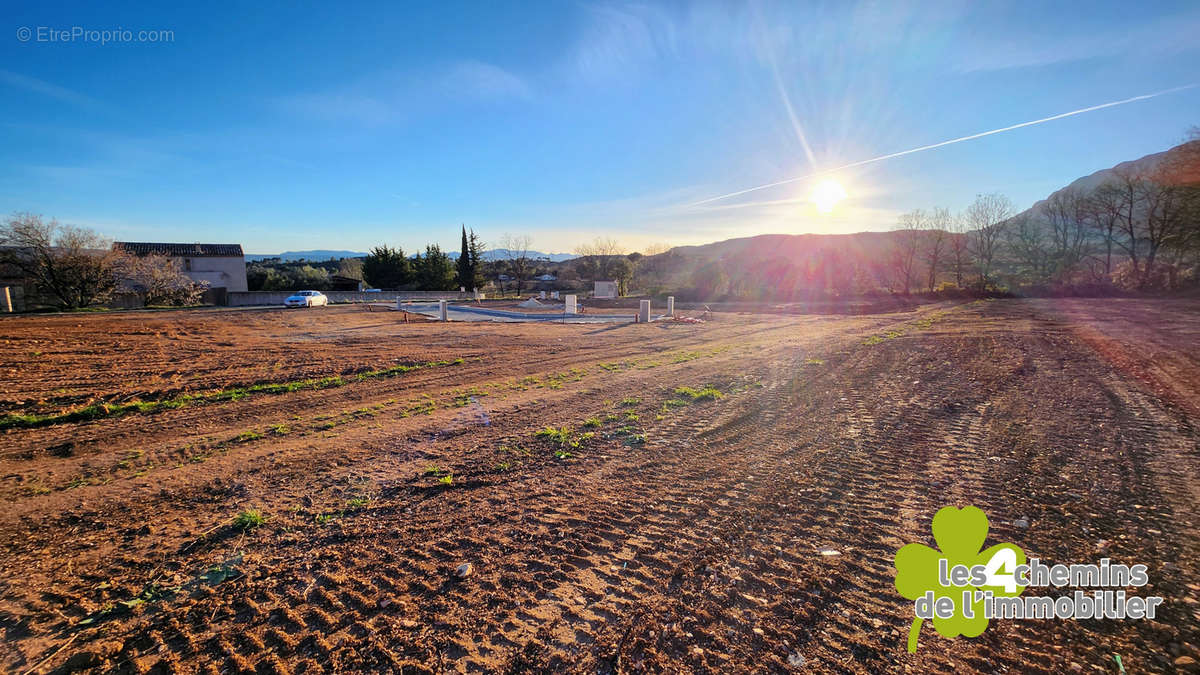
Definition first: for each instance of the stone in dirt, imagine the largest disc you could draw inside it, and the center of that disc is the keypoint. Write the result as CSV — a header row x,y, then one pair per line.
x,y
464,570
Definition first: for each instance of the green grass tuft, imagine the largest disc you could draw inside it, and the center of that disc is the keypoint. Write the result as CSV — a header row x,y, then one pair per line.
x,y
248,519
103,410
708,393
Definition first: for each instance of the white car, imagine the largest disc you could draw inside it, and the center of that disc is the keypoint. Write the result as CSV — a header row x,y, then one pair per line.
x,y
306,299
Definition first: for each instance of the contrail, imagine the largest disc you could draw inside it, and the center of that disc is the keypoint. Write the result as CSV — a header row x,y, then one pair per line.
x,y
880,158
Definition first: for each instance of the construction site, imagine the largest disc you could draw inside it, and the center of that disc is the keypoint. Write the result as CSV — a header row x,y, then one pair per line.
x,y
337,489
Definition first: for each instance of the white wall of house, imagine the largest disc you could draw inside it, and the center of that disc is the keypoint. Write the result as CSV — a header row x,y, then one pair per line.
x,y
224,272
605,289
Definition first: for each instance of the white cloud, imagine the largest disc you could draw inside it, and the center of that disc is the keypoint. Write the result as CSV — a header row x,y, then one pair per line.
x,y
477,80
1157,38
618,39
47,89
389,97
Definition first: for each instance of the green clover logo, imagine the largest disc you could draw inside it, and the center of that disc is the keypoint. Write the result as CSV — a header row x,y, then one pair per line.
x,y
959,533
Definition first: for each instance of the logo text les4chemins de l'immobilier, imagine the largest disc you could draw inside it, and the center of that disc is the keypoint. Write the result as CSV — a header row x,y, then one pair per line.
x,y
961,588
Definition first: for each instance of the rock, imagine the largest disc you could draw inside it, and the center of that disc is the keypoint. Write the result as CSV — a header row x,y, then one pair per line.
x,y
82,660
464,570
1022,523
1185,662
1075,667
829,551
796,660
94,657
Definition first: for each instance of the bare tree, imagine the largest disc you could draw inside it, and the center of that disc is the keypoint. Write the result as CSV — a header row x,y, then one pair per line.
x,y
604,246
515,251
1179,178
1066,213
960,256
656,248
608,258
1029,244
906,248
1128,192
159,279
986,218
935,243
73,266
1103,211
1157,211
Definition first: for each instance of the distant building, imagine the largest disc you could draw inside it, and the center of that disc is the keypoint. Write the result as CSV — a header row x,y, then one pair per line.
x,y
338,282
221,265
546,277
605,289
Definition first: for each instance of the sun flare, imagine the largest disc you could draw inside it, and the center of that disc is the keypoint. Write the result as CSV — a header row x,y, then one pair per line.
x,y
827,194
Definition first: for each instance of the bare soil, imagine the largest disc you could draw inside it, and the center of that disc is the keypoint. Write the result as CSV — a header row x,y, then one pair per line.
x,y
679,536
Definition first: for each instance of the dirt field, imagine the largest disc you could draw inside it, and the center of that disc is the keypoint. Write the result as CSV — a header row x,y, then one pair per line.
x,y
685,533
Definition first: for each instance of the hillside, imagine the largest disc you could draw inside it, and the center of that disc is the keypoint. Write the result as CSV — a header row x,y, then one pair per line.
x,y
321,255
1147,165
767,246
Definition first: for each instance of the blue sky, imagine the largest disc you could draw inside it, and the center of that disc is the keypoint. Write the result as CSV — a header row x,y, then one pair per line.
x,y
344,125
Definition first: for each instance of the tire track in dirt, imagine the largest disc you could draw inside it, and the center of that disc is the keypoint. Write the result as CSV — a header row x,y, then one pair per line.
x,y
701,549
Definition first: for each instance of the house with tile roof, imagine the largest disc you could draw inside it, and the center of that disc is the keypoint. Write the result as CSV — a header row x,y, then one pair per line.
x,y
221,265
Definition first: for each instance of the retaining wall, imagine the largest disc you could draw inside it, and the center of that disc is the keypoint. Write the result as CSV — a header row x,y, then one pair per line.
x,y
246,298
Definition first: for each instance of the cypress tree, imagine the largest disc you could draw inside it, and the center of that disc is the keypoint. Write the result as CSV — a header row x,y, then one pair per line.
x,y
466,265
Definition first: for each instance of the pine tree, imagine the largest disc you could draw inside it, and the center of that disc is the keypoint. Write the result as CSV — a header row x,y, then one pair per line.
x,y
434,270
475,246
387,267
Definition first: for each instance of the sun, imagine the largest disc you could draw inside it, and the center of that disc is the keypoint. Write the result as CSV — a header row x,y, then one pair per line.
x,y
826,194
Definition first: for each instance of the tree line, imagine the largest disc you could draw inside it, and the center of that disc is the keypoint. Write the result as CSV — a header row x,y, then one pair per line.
x,y
1139,229
390,268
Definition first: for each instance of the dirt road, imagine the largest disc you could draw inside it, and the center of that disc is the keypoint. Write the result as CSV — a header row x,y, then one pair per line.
x,y
725,497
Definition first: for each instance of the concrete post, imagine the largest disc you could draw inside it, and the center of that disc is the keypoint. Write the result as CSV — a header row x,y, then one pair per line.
x,y
670,305
7,300
570,304
644,312
542,295
398,303
442,310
